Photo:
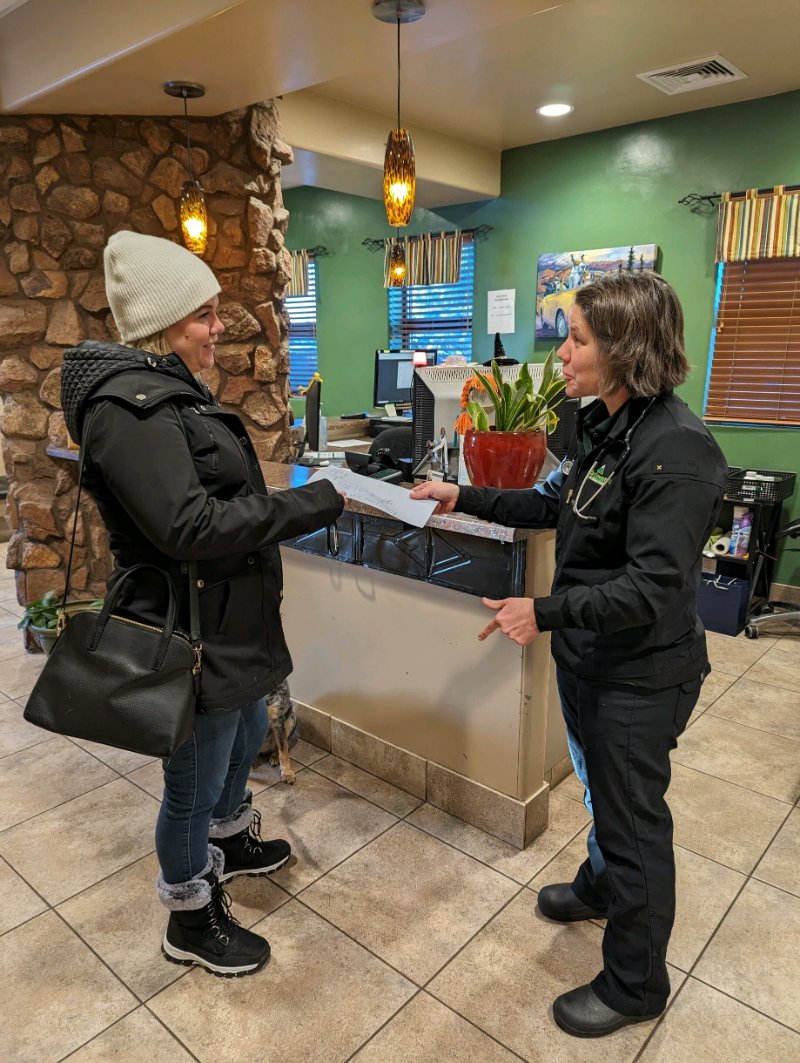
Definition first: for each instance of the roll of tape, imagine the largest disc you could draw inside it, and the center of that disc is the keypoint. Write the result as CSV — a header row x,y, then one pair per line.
x,y
722,545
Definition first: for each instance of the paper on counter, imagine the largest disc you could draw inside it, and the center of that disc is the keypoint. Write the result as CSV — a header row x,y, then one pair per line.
x,y
346,444
390,498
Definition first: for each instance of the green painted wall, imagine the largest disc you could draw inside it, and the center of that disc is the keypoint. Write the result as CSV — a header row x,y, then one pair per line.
x,y
619,186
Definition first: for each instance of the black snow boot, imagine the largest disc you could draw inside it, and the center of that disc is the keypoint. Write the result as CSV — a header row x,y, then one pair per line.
x,y
246,852
201,929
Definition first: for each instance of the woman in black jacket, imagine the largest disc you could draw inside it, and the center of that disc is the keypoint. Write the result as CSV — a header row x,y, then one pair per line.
x,y
633,503
176,479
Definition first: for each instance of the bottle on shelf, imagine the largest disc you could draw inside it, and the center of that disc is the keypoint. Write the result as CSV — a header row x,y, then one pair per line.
x,y
738,513
743,538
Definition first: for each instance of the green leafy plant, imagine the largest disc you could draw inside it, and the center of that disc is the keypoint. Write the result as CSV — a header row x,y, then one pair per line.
x,y
518,406
43,612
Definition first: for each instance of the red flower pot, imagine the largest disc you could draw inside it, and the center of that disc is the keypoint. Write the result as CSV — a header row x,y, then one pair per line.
x,y
504,459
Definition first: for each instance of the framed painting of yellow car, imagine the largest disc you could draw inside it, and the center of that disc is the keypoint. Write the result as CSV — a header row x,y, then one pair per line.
x,y
561,273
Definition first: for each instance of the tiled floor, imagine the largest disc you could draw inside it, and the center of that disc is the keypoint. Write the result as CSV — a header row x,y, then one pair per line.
x,y
399,934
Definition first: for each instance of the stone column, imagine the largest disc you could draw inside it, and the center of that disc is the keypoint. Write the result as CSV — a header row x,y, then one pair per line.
x,y
66,184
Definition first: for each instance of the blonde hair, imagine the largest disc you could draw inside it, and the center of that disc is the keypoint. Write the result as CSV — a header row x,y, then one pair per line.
x,y
155,344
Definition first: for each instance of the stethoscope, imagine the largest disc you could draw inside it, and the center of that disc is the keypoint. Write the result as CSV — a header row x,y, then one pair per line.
x,y
579,508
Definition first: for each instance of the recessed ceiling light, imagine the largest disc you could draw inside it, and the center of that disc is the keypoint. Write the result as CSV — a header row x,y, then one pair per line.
x,y
555,110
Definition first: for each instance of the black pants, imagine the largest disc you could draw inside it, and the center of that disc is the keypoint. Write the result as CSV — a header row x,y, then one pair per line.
x,y
626,736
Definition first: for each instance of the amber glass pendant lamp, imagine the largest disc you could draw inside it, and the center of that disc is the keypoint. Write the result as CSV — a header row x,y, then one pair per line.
x,y
193,214
399,170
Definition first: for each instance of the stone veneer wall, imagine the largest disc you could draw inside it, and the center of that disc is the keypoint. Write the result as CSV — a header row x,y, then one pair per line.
x,y
66,184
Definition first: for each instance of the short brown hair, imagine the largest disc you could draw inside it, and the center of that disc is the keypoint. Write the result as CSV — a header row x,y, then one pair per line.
x,y
638,323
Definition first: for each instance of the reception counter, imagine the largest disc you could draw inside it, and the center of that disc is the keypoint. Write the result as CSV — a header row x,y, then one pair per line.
x,y
382,621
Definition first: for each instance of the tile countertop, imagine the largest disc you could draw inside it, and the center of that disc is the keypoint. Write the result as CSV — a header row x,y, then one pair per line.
x,y
278,477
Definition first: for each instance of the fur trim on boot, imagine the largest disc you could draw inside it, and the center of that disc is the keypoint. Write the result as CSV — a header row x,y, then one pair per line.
x,y
236,822
196,893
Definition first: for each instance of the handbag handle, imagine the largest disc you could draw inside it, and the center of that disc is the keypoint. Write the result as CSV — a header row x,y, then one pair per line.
x,y
167,631
169,624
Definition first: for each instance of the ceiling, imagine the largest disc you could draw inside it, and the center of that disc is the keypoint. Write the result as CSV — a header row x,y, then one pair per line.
x,y
474,71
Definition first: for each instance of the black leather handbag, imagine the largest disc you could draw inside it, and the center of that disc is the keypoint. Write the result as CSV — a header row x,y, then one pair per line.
x,y
114,680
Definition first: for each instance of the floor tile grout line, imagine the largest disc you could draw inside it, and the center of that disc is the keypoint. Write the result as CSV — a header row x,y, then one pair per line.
x,y
491,867
448,1008
383,1025
97,955
662,1017
344,859
44,811
340,930
105,878
44,741
744,1003
771,685
730,782
160,1021
174,1036
760,730
32,888
311,767
726,913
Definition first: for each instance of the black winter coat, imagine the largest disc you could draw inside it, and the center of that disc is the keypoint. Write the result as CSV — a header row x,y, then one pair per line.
x,y
623,606
176,479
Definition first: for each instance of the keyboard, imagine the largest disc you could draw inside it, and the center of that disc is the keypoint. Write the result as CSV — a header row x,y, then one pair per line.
x,y
321,457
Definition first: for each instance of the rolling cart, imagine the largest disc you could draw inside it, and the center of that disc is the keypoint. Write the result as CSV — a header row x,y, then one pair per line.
x,y
763,491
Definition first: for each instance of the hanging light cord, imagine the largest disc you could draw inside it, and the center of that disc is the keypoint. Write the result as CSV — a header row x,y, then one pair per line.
x,y
398,66
188,141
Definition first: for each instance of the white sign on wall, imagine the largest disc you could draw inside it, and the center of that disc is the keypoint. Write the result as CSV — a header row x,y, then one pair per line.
x,y
500,315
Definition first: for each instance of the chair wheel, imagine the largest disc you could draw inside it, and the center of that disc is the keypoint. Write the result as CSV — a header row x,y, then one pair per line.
x,y
751,631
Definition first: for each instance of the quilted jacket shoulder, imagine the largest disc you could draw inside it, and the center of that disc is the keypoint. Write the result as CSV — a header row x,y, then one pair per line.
x,y
96,370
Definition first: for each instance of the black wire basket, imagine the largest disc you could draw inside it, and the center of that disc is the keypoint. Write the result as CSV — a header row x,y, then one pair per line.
x,y
758,485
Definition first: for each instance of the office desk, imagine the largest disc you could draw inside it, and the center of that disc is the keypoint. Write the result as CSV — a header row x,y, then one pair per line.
x,y
389,674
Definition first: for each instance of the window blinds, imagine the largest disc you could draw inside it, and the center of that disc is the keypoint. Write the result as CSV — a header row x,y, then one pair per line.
x,y
302,311
436,315
754,376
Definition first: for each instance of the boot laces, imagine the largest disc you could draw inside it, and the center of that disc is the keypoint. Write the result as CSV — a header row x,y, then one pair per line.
x,y
222,921
253,840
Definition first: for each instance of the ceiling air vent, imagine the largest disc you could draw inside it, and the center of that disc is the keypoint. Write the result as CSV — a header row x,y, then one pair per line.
x,y
701,74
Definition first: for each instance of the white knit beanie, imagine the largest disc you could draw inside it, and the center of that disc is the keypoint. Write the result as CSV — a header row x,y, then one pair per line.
x,y
152,283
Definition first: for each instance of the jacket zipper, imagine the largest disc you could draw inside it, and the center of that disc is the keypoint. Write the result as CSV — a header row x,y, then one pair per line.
x,y
197,650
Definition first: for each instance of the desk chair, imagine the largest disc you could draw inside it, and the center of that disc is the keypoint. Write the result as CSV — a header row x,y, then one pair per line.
x,y
389,450
395,442
776,612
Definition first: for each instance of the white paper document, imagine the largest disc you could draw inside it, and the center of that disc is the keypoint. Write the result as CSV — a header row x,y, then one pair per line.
x,y
500,311
391,499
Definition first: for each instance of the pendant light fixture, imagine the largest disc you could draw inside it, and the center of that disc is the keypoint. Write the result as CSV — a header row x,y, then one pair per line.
x,y
399,171
194,218
397,264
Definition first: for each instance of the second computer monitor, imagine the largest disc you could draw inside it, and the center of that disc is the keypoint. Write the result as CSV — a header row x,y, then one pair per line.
x,y
394,371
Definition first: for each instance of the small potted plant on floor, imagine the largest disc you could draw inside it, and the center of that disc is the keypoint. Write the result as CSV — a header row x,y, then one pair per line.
x,y
510,453
41,616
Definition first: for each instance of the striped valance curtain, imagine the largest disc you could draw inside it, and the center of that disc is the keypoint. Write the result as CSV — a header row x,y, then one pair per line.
x,y
298,285
759,225
431,258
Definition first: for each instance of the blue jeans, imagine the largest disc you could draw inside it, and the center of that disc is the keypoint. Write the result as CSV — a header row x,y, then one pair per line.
x,y
579,764
203,780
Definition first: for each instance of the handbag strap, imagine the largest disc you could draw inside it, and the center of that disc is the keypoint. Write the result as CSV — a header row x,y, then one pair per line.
x,y
194,603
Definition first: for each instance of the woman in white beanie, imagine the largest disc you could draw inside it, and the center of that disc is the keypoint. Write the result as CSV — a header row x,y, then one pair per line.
x,y
176,479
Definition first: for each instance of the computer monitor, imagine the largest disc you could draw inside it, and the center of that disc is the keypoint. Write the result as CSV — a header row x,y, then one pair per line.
x,y
394,371
559,439
311,420
437,399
